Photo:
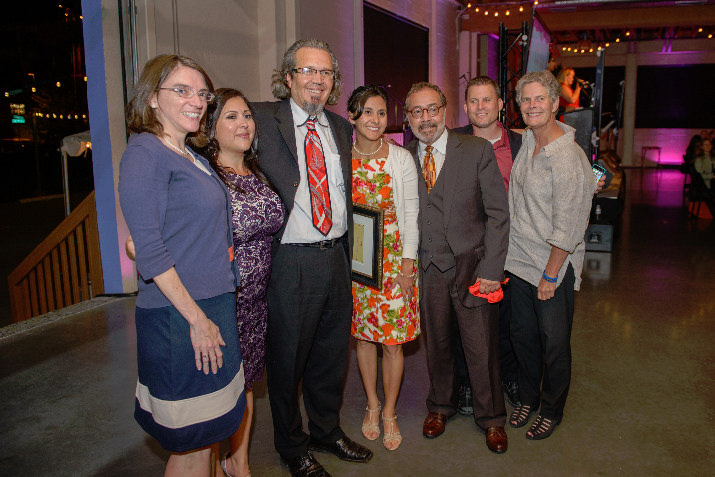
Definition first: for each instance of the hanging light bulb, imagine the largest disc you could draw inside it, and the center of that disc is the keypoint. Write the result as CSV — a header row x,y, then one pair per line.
x,y
607,44
476,9
506,13
700,30
521,9
486,12
628,33
618,40
496,14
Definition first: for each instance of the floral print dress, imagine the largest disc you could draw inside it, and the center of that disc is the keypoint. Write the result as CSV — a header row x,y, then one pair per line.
x,y
382,316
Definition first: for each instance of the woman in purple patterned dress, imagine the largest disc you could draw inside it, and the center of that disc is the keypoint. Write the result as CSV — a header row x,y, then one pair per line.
x,y
257,214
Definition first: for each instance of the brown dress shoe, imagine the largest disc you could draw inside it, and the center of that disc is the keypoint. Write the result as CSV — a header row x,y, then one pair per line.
x,y
496,440
434,425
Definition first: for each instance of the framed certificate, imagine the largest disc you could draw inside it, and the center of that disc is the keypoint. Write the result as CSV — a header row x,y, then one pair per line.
x,y
368,228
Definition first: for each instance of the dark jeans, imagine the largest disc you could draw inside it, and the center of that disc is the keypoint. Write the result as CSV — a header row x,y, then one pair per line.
x,y
541,335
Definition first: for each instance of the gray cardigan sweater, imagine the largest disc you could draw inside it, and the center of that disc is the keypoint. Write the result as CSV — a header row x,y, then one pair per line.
x,y
178,216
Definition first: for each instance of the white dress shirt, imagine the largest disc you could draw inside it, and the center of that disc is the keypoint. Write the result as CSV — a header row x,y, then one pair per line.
x,y
300,228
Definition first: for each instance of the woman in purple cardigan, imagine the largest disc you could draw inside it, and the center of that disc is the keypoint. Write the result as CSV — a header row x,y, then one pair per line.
x,y
190,391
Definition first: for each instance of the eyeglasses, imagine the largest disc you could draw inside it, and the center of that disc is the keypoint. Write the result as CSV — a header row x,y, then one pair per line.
x,y
418,111
308,71
204,94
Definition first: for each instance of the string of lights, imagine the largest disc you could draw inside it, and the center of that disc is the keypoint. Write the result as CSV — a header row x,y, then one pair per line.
x,y
499,8
587,45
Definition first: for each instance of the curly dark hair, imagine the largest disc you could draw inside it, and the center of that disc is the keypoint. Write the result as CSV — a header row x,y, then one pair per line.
x,y
358,98
211,149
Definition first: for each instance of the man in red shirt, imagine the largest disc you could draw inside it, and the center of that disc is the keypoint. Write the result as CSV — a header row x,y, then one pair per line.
x,y
482,103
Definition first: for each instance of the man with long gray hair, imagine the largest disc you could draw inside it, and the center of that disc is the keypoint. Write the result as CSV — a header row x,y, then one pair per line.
x,y
305,153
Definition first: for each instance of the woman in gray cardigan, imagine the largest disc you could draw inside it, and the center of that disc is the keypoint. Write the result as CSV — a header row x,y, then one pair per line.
x,y
190,390
550,194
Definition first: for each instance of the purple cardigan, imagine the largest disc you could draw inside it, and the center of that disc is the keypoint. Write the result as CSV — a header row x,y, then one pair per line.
x,y
178,216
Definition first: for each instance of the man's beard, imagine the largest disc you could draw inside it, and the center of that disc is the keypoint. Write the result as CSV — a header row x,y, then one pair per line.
x,y
438,131
313,108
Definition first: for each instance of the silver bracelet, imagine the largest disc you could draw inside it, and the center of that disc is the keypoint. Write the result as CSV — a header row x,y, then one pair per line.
x,y
406,276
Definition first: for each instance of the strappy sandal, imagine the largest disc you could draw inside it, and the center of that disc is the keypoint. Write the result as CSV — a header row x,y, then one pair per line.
x,y
390,436
227,456
541,428
369,430
520,416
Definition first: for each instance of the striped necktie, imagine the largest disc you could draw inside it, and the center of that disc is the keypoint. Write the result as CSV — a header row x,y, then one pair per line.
x,y
317,179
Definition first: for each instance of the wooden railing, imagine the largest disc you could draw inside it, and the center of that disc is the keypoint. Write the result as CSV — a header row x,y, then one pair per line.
x,y
64,269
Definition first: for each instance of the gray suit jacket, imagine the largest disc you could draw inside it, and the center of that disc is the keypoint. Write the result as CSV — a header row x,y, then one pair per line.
x,y
278,157
476,211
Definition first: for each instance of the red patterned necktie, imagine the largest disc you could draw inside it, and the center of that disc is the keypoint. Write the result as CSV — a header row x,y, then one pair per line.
x,y
317,179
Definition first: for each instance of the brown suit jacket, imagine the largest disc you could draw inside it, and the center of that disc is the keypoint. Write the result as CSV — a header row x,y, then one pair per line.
x,y
476,211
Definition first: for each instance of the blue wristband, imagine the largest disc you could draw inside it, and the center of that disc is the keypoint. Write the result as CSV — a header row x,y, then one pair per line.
x,y
548,278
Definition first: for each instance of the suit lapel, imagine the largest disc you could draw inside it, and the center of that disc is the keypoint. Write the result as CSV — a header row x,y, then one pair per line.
x,y
284,121
450,172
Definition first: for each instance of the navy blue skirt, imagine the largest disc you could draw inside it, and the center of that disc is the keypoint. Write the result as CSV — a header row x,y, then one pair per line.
x,y
180,406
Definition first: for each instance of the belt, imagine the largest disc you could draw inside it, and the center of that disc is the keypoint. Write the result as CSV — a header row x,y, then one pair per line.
x,y
323,244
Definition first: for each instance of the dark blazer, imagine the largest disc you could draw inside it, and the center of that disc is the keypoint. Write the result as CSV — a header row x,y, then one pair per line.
x,y
278,157
476,211
514,138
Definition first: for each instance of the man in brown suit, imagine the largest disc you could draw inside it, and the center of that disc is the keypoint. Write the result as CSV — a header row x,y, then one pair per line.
x,y
464,228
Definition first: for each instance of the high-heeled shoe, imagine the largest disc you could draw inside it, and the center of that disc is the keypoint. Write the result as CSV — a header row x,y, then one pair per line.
x,y
368,428
226,456
392,436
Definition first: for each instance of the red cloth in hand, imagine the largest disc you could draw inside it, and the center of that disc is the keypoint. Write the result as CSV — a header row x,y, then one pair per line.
x,y
492,297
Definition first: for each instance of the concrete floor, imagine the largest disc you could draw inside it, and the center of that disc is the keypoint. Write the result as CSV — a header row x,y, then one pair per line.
x,y
641,400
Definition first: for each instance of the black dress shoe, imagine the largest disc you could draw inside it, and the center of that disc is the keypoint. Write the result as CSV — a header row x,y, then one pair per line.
x,y
306,466
344,449
511,390
465,404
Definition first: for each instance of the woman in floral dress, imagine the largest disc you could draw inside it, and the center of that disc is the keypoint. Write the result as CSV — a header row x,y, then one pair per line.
x,y
384,176
257,214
